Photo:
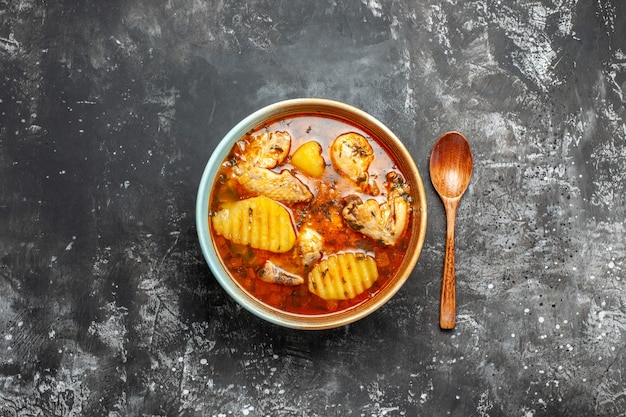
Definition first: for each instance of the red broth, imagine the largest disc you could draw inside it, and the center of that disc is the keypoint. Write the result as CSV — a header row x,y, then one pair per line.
x,y
322,214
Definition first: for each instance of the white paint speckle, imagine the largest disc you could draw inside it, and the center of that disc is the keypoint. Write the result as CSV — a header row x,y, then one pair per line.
x,y
541,319
374,7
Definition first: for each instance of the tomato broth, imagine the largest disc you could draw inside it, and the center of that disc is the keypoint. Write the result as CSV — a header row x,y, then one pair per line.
x,y
323,213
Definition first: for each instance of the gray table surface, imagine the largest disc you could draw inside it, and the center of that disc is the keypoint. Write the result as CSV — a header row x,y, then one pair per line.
x,y
110,110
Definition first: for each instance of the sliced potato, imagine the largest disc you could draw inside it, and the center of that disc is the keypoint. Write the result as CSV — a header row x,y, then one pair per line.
x,y
343,276
259,222
308,159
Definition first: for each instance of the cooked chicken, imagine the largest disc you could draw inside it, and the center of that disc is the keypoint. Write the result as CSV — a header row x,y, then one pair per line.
x,y
266,150
309,245
383,222
351,155
274,274
283,187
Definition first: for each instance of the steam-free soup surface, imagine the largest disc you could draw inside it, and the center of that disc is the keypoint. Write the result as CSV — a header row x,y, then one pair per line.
x,y
319,215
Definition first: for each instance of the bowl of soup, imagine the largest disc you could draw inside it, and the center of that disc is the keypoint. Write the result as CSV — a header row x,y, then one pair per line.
x,y
311,213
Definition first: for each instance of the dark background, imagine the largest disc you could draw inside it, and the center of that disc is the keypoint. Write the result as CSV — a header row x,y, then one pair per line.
x,y
110,110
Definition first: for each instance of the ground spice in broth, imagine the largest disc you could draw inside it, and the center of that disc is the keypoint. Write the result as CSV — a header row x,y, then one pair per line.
x,y
322,214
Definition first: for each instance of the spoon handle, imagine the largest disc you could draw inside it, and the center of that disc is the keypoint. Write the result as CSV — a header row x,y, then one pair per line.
x,y
447,308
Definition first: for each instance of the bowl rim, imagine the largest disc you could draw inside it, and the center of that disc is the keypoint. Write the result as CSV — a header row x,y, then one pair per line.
x,y
254,120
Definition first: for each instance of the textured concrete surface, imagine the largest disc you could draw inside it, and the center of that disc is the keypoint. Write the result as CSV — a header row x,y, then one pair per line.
x,y
110,110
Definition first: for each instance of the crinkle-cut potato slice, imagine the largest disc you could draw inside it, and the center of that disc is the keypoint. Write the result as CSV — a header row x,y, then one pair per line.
x,y
343,276
259,222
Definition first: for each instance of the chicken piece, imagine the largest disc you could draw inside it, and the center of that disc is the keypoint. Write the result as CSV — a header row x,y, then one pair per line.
x,y
284,187
309,245
273,274
382,222
351,155
265,150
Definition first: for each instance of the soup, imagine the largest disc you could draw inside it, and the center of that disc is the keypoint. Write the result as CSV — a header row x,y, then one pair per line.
x,y
310,214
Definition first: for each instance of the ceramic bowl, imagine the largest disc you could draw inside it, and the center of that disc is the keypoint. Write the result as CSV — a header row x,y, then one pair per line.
x,y
353,116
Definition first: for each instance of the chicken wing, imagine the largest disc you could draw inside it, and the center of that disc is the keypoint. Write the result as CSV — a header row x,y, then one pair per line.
x,y
265,150
382,222
284,187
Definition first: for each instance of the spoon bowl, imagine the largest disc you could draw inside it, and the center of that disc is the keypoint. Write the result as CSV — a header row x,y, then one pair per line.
x,y
450,172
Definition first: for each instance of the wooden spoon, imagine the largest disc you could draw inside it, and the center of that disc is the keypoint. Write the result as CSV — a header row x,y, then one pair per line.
x,y
450,173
